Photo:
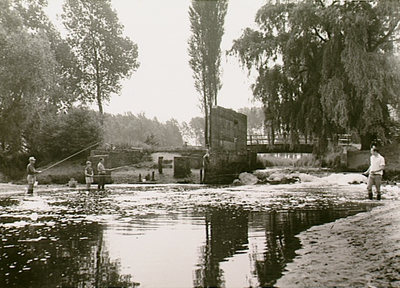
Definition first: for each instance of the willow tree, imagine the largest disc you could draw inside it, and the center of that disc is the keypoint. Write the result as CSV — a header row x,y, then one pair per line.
x,y
325,68
104,55
207,18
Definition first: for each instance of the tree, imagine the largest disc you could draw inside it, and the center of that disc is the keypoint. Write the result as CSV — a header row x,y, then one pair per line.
x,y
128,130
255,119
197,126
29,72
207,19
31,79
325,68
63,134
104,56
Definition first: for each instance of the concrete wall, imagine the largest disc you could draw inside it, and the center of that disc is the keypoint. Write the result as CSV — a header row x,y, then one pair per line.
x,y
117,158
181,167
228,130
224,167
358,160
229,156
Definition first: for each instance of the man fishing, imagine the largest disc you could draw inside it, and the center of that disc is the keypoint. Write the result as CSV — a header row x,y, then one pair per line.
x,y
30,169
375,172
101,170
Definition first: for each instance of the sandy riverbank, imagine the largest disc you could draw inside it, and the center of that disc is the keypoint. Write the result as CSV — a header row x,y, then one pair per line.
x,y
358,251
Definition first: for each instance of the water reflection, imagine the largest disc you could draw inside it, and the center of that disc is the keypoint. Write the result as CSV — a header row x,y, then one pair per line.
x,y
228,233
64,254
224,246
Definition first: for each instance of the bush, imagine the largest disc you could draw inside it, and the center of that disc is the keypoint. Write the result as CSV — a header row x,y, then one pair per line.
x,y
64,134
62,173
13,166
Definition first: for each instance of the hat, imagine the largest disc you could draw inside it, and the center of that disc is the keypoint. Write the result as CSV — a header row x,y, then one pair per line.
x,y
32,158
88,162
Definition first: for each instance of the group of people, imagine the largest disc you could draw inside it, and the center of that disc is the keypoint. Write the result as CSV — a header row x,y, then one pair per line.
x,y
374,173
89,174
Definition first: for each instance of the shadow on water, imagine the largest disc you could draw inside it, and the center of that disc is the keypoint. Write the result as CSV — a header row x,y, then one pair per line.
x,y
73,251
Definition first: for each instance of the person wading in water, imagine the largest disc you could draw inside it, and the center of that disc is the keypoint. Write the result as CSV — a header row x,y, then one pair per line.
x,y
375,172
101,170
30,169
88,175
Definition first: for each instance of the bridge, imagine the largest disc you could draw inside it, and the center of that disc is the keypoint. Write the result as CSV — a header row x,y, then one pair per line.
x,y
262,144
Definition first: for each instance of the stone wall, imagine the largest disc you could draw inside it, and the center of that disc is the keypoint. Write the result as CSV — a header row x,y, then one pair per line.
x,y
181,167
228,150
358,160
113,159
117,158
224,167
228,130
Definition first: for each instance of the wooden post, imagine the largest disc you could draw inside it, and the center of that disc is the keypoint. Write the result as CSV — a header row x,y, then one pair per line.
x,y
160,164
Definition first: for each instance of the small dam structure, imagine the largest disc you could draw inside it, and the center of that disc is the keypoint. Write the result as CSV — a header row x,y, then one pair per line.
x,y
228,155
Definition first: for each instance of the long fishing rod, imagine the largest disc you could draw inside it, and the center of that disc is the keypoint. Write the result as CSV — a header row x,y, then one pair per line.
x,y
116,168
71,156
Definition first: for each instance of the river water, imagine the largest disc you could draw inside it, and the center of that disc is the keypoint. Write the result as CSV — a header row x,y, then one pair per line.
x,y
159,236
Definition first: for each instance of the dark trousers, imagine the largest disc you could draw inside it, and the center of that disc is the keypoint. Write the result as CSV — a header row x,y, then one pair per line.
x,y
102,181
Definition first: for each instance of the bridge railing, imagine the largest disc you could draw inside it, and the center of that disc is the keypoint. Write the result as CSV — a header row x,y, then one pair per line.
x,y
258,139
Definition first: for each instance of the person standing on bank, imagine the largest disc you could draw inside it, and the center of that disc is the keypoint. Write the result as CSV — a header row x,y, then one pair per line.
x,y
375,172
30,169
101,170
88,175
206,162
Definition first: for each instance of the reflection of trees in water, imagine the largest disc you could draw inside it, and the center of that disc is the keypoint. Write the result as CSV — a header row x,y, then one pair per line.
x,y
280,241
68,254
226,234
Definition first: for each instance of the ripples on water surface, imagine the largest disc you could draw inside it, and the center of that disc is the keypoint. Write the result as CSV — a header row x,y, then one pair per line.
x,y
147,239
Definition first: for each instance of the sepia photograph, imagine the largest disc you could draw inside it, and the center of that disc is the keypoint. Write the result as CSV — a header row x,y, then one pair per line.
x,y
199,143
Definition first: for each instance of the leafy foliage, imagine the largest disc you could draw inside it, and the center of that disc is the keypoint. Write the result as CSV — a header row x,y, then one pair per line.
x,y
255,119
128,130
207,25
325,68
66,133
104,56
193,132
31,77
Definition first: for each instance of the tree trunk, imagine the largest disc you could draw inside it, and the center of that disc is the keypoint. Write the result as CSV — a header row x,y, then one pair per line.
x,y
366,141
206,126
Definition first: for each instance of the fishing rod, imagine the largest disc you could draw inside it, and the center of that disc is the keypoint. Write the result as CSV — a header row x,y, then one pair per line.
x,y
71,156
112,169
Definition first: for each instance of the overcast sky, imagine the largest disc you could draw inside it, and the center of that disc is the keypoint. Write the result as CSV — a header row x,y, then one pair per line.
x,y
163,87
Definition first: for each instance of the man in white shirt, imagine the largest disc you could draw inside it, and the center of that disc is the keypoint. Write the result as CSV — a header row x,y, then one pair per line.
x,y
375,171
101,170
